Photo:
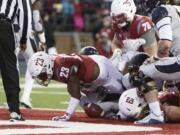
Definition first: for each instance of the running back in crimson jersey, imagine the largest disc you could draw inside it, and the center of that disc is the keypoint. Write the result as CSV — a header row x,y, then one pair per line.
x,y
86,68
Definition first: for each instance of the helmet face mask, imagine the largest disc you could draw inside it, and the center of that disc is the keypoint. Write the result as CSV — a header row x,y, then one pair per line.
x,y
40,68
43,79
120,20
122,12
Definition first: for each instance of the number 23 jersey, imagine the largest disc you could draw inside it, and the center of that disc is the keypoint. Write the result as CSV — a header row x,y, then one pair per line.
x,y
65,64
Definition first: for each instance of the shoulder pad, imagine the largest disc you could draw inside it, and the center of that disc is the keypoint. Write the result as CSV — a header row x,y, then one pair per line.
x,y
159,13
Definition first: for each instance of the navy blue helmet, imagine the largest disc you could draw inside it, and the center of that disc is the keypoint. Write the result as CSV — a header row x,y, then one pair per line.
x,y
149,5
88,50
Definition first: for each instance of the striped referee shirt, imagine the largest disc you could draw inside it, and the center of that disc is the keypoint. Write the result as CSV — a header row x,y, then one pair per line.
x,y
17,10
8,9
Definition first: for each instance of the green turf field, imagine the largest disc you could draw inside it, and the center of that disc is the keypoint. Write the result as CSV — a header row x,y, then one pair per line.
x,y
53,97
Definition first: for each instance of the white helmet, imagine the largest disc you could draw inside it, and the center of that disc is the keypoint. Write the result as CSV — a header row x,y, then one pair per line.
x,y
130,104
122,12
40,67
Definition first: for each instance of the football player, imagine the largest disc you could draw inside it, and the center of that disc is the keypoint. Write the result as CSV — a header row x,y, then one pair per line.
x,y
166,19
147,87
99,103
133,106
129,27
32,47
92,71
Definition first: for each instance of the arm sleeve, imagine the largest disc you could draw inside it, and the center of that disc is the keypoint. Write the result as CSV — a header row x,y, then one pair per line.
x,y
25,20
164,28
149,37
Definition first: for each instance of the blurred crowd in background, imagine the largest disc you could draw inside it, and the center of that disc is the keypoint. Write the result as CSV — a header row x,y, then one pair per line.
x,y
83,16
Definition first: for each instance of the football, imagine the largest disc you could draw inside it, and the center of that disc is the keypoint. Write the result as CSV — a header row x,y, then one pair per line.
x,y
93,110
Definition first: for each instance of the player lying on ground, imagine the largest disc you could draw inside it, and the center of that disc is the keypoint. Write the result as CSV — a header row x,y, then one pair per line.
x,y
133,106
148,89
93,71
163,69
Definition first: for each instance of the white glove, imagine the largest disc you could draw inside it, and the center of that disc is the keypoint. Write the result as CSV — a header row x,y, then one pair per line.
x,y
116,57
65,117
132,44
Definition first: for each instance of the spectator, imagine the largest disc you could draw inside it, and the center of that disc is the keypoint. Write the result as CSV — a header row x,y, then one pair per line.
x,y
78,19
50,26
104,45
68,12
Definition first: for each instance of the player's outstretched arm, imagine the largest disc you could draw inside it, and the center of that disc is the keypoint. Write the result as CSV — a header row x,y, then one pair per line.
x,y
74,91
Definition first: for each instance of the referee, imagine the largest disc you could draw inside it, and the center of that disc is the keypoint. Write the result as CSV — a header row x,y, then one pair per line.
x,y
9,10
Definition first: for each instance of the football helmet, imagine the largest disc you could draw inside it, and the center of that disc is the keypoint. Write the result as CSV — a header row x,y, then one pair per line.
x,y
149,5
122,12
131,104
88,50
40,67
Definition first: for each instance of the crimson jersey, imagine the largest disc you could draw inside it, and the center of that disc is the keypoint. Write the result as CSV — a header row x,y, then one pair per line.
x,y
139,26
171,98
64,64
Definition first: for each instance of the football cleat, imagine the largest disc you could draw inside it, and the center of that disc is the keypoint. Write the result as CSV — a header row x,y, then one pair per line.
x,y
151,119
26,104
16,117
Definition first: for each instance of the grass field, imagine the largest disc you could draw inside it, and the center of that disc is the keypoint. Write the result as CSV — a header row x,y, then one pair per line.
x,y
53,97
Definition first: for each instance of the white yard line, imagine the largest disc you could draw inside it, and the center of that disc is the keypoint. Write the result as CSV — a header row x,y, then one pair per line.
x,y
46,92
39,86
71,127
44,109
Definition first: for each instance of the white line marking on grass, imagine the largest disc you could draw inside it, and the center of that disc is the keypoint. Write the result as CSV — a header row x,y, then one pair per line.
x,y
53,93
70,127
46,93
49,86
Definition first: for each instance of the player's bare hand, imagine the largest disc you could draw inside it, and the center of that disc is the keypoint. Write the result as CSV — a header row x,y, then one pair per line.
x,y
167,85
151,60
42,47
23,47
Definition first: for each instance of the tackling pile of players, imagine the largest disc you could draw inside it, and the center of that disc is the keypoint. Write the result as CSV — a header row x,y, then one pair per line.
x,y
139,81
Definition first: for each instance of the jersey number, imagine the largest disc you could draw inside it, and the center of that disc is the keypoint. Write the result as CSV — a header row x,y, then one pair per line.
x,y
64,72
39,62
146,26
129,100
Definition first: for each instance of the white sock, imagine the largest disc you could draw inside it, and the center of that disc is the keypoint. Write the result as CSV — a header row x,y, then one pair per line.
x,y
52,50
155,108
27,86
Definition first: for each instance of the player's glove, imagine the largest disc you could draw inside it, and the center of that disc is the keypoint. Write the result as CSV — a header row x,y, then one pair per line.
x,y
65,117
132,44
